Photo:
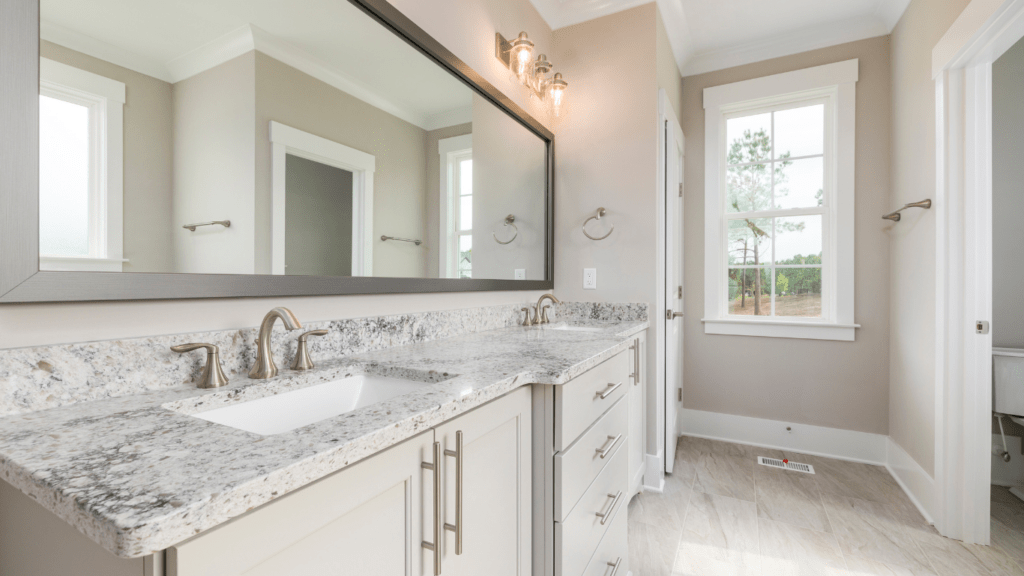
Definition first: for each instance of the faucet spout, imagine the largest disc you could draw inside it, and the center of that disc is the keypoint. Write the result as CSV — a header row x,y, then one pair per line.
x,y
265,367
542,314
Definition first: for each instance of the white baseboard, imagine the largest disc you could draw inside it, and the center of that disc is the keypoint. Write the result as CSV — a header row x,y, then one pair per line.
x,y
815,440
915,481
654,475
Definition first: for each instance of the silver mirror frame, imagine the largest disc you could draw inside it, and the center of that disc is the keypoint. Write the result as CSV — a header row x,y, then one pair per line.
x,y
20,277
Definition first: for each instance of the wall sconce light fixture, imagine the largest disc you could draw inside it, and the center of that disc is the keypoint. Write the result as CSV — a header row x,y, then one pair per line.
x,y
517,56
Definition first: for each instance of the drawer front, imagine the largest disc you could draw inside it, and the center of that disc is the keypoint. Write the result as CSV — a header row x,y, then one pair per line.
x,y
577,466
613,550
578,537
580,402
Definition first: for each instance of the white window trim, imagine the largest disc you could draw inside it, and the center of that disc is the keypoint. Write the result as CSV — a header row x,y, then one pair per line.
x,y
448,150
832,81
105,99
286,140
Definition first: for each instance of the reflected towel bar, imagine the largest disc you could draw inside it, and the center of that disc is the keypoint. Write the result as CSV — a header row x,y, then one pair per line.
x,y
192,227
386,238
895,216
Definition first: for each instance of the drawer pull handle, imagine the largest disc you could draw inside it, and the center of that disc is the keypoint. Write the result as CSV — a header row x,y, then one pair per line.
x,y
615,566
604,516
607,448
438,523
608,392
457,527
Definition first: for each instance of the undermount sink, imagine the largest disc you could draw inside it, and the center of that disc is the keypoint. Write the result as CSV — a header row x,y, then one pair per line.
x,y
298,408
570,328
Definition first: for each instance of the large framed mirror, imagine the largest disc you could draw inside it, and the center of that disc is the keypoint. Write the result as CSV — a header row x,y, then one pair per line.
x,y
217,148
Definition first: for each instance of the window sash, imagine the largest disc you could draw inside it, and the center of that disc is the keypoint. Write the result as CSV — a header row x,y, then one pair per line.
x,y
828,295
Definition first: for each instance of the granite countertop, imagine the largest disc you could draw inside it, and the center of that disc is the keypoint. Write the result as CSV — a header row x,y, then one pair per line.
x,y
138,474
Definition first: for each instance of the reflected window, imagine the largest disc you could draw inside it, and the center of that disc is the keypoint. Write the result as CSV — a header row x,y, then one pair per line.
x,y
80,163
457,206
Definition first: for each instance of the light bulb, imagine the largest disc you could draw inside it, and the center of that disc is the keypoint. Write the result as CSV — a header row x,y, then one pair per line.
x,y
557,92
520,55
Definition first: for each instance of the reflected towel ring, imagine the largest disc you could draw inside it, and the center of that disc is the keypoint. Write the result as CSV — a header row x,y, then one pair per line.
x,y
508,222
600,212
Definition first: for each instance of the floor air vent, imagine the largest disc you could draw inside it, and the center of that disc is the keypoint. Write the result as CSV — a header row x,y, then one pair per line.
x,y
785,465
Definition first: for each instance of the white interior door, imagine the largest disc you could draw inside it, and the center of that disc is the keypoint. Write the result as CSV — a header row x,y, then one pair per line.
x,y
673,282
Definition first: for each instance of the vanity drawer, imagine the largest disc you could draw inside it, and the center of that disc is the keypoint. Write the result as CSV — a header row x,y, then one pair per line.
x,y
613,549
577,466
579,402
578,537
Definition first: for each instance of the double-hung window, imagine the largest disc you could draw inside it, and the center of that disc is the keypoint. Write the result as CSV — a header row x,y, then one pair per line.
x,y
456,155
779,205
81,145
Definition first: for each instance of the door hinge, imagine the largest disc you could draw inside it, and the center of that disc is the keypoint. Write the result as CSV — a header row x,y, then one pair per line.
x,y
981,327
680,395
680,189
679,293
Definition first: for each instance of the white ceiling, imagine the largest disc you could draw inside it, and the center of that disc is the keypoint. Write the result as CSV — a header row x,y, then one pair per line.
x,y
331,40
711,35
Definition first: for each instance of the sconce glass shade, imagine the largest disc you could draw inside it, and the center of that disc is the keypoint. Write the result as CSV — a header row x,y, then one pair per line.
x,y
556,91
520,56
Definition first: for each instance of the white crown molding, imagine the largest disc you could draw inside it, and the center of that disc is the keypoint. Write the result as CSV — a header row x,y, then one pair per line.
x,y
678,29
562,13
786,44
213,53
890,11
99,49
448,118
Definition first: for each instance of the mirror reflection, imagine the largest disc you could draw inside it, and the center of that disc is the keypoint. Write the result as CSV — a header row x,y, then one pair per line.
x,y
273,137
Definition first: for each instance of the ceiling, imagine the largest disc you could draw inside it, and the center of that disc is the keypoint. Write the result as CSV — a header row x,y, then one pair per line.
x,y
711,35
330,40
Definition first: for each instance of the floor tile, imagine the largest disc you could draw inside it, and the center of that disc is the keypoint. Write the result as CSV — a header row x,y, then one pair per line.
x,y
851,479
954,558
861,566
790,497
719,536
651,549
867,529
665,509
788,550
722,475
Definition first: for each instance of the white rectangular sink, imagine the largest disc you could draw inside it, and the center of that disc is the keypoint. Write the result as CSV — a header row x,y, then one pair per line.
x,y
298,408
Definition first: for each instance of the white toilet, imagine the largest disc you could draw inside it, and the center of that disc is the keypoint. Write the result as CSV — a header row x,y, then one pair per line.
x,y
1008,389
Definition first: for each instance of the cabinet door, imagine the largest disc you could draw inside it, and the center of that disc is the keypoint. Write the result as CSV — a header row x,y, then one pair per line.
x,y
496,488
370,518
637,411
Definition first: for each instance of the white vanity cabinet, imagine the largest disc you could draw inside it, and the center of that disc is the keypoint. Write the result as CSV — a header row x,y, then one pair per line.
x,y
637,411
373,517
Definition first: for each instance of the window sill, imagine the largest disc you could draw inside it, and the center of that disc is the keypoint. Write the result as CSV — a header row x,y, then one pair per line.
x,y
781,329
68,264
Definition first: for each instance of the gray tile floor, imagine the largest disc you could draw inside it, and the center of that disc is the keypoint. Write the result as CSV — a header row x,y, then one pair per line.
x,y
722,514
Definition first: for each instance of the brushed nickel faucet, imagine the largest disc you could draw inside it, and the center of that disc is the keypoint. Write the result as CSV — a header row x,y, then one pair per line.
x,y
264,367
541,314
302,360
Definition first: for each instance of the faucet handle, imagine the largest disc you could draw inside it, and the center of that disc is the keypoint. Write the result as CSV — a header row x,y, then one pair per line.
x,y
544,315
527,321
302,360
212,376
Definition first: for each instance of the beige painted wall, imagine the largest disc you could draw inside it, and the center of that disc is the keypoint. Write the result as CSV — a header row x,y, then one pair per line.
x,y
465,28
606,155
912,242
148,151
432,238
292,97
509,174
1008,198
833,384
668,72
215,169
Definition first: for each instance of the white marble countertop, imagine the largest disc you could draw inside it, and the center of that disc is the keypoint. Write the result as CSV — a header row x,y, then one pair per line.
x,y
138,474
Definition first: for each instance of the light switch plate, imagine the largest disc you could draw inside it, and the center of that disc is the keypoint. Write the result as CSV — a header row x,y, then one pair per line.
x,y
520,273
590,278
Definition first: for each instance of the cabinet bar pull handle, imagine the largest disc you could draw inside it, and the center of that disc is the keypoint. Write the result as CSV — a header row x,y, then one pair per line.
x,y
636,362
457,528
604,516
607,448
608,392
615,566
435,546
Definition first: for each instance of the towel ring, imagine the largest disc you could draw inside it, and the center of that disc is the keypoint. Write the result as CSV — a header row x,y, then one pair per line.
x,y
508,222
600,212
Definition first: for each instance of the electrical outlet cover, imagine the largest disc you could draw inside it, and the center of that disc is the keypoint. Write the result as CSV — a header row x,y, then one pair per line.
x,y
520,273
590,278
